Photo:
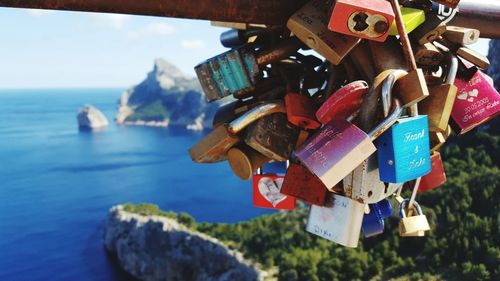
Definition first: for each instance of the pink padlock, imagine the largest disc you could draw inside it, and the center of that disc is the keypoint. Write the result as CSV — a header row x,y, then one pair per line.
x,y
477,102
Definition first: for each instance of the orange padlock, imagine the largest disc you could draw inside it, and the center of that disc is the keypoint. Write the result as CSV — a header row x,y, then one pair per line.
x,y
436,177
300,111
367,19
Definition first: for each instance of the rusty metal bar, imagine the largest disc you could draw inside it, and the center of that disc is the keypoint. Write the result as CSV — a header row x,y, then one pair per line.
x,y
479,14
272,12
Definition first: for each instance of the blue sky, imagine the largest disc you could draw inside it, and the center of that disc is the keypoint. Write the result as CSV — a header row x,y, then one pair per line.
x,y
54,49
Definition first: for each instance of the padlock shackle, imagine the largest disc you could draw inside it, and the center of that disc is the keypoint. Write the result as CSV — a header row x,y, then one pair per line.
x,y
281,51
268,108
452,69
403,206
387,122
387,87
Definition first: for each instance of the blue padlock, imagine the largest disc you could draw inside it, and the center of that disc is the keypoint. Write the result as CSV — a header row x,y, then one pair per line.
x,y
236,72
404,149
373,223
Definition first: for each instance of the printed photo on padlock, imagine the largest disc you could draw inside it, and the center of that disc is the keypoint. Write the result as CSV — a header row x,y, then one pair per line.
x,y
267,189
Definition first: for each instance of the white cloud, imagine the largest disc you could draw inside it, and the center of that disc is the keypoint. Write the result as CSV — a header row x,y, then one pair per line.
x,y
116,21
192,44
151,29
37,12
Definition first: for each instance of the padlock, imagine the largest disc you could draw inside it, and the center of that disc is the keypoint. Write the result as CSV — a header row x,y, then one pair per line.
x,y
468,54
340,221
232,110
300,183
309,24
273,136
448,3
244,160
428,55
300,111
441,98
237,71
415,225
367,19
373,222
236,25
387,55
412,87
266,192
461,35
434,25
438,139
477,102
339,147
436,177
234,38
214,146
412,18
403,150
343,103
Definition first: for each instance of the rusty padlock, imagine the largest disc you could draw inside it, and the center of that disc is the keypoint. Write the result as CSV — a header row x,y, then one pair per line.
x,y
461,35
300,183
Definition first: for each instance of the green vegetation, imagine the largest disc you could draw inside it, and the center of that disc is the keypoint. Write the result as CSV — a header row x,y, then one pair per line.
x,y
153,111
147,209
464,243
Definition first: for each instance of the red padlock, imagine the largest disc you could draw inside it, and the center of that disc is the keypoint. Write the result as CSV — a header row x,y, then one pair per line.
x,y
436,177
300,111
477,102
267,192
343,103
368,19
300,183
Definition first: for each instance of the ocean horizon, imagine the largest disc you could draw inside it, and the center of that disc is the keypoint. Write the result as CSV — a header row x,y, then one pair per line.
x,y
57,183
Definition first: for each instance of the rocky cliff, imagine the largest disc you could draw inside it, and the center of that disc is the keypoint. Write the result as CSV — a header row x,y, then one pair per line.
x,y
159,248
166,97
90,117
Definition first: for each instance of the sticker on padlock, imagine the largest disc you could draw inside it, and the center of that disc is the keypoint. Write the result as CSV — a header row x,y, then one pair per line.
x,y
343,103
214,146
339,222
373,222
415,225
267,192
273,136
339,147
367,19
300,183
309,25
441,98
436,177
403,150
477,102
237,71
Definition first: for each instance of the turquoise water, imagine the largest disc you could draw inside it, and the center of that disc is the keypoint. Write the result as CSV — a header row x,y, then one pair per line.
x,y
57,183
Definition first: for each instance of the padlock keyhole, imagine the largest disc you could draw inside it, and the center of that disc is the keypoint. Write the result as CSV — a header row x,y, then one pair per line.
x,y
360,20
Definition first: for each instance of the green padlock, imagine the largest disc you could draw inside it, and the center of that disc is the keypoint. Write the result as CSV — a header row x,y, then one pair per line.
x,y
412,18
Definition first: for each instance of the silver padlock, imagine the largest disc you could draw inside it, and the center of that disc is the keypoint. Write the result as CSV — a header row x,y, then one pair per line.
x,y
414,225
340,221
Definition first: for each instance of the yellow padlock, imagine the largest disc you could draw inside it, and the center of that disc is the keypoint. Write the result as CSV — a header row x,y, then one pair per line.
x,y
412,18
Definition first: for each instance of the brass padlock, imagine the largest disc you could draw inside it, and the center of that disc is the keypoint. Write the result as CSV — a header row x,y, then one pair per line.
x,y
428,55
440,102
412,87
244,160
438,139
309,24
414,225
468,54
461,35
273,136
213,147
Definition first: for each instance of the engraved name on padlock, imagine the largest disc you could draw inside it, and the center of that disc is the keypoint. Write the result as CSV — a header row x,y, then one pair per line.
x,y
340,222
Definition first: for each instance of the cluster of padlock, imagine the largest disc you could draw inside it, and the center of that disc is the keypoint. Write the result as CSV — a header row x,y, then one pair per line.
x,y
355,124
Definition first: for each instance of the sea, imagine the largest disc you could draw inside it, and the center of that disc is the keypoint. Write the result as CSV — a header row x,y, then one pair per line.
x,y
57,183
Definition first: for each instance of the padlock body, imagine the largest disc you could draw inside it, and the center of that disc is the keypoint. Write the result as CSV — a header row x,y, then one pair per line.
x,y
367,19
448,3
232,73
340,222
373,223
428,55
266,193
412,18
300,111
214,146
477,102
273,136
413,87
309,25
343,103
403,150
438,106
300,183
334,151
436,177
409,226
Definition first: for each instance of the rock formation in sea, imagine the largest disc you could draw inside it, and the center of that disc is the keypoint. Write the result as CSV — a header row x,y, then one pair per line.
x,y
90,117
166,97
159,248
